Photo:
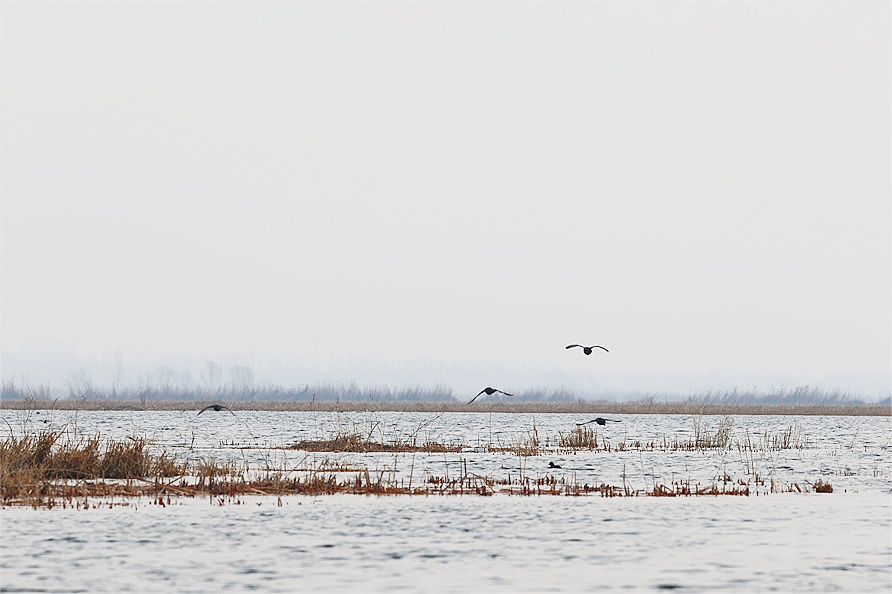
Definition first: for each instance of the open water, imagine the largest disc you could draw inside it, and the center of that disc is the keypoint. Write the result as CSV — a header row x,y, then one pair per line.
x,y
768,541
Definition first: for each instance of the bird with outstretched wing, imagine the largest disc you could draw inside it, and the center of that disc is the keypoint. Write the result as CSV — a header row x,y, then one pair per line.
x,y
489,391
599,421
217,408
587,349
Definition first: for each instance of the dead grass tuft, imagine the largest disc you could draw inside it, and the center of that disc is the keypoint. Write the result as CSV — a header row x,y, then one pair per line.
x,y
581,438
820,486
357,443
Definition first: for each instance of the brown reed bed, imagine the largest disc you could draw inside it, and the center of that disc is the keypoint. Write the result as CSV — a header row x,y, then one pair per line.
x,y
358,443
37,464
644,407
52,458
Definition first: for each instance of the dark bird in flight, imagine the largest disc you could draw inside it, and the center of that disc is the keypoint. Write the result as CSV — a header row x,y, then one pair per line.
x,y
489,392
217,408
553,465
599,421
587,350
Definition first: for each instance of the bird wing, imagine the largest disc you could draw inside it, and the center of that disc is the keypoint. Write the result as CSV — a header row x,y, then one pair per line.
x,y
229,409
505,393
570,346
208,407
474,398
586,423
597,346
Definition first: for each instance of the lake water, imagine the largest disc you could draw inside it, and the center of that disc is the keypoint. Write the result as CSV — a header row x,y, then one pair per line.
x,y
807,542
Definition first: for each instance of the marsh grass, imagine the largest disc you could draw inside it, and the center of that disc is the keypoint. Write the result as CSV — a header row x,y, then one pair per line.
x,y
581,438
360,443
530,445
53,467
789,439
45,469
39,464
703,438
48,456
719,438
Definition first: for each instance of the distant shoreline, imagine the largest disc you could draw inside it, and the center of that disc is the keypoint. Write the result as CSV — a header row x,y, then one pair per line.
x,y
588,407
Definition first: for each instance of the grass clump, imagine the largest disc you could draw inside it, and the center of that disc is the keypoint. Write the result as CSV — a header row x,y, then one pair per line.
x,y
362,444
821,487
581,438
32,463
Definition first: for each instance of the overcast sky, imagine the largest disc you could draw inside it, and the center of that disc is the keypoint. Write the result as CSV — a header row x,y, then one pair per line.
x,y
451,193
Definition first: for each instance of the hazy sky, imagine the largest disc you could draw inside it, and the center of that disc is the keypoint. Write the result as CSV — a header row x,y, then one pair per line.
x,y
452,192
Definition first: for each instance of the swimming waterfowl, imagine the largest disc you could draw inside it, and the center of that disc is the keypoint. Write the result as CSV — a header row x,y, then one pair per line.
x,y
489,391
553,465
587,349
217,408
599,421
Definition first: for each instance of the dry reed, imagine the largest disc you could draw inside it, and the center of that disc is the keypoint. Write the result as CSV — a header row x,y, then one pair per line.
x,y
357,443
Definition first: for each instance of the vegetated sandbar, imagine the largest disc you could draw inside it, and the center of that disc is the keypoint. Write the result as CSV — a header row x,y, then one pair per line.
x,y
581,407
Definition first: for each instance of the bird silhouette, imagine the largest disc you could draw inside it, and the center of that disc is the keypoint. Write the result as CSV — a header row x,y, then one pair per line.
x,y
489,391
553,465
587,350
599,421
217,408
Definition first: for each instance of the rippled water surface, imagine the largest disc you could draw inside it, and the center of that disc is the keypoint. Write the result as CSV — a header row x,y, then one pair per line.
x,y
841,541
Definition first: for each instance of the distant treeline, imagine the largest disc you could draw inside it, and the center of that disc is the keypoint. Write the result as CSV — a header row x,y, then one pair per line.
x,y
801,395
326,392
271,393
304,393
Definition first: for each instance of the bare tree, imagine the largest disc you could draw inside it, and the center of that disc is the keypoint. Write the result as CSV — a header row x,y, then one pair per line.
x,y
241,378
165,376
80,384
186,381
119,370
211,375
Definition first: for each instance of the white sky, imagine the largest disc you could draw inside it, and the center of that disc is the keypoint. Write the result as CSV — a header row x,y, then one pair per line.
x,y
452,191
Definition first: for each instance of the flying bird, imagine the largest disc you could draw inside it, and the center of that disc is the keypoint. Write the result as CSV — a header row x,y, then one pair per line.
x,y
217,408
489,391
599,421
587,350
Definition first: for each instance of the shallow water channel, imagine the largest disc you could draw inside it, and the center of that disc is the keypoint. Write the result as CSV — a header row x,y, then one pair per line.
x,y
769,540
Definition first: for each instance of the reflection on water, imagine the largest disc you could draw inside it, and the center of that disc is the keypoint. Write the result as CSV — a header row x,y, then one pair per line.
x,y
789,542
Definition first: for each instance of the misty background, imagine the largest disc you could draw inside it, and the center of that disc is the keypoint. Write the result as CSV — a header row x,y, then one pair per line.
x,y
443,196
